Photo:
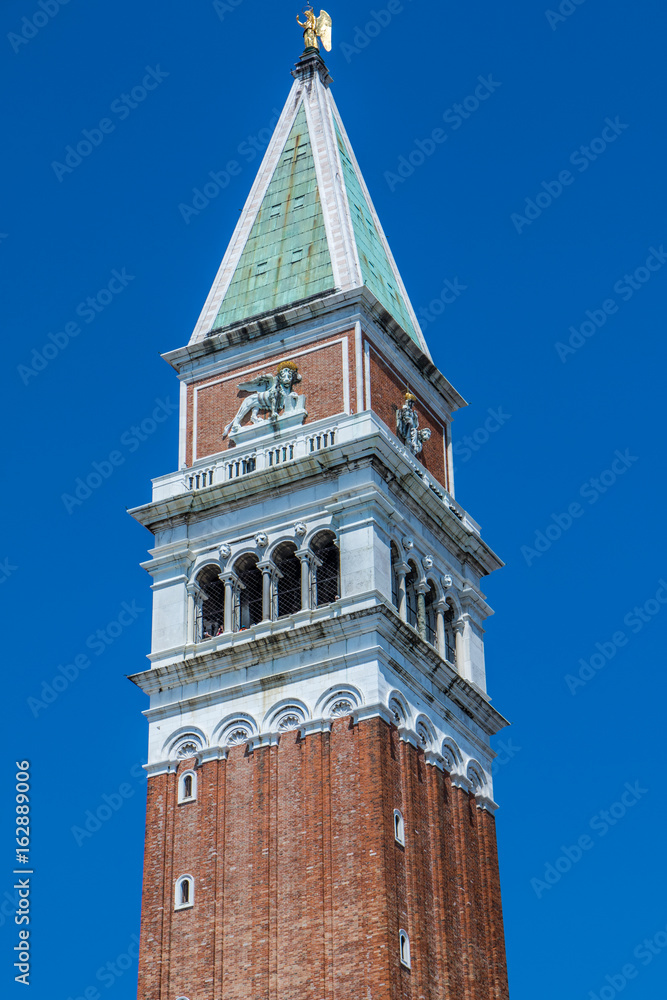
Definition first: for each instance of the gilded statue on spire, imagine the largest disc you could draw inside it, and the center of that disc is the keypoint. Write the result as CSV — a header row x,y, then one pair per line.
x,y
314,26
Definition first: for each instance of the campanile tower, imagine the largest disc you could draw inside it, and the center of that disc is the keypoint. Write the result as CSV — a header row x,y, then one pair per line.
x,y
320,820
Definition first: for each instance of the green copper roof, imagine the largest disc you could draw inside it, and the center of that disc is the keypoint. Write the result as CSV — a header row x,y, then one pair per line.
x,y
376,270
286,257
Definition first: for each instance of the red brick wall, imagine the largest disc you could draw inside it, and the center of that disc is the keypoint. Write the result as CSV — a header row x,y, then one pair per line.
x,y
323,374
301,888
388,390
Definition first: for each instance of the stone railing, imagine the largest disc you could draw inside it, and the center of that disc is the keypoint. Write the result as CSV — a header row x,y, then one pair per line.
x,y
238,462
270,453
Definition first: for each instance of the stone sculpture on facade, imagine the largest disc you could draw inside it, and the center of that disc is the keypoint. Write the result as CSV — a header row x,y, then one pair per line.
x,y
270,394
407,425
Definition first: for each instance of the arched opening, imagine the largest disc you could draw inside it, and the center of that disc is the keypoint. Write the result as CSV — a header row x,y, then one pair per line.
x,y
249,603
288,589
399,828
327,586
411,581
184,893
431,618
450,635
187,786
404,948
395,559
210,613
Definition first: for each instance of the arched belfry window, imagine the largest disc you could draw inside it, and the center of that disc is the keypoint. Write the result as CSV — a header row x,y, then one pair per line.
x,y
288,587
411,581
399,827
184,892
249,599
210,611
327,585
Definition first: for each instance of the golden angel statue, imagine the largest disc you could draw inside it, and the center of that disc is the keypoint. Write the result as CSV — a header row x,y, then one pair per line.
x,y
314,26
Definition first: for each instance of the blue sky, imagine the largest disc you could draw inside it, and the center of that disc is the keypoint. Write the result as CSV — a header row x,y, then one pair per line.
x,y
543,207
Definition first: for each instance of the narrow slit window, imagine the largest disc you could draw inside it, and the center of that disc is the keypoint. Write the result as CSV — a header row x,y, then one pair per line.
x,y
184,895
187,787
404,949
399,828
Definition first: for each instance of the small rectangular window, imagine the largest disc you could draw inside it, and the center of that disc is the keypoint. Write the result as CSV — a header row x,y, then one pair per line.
x,y
262,267
298,202
297,255
275,211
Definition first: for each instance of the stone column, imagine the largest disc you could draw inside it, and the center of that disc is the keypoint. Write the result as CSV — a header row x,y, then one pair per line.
x,y
304,558
268,570
460,639
421,609
401,569
194,594
231,586
441,642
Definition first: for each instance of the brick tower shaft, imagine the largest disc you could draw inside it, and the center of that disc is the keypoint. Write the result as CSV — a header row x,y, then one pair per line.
x,y
320,820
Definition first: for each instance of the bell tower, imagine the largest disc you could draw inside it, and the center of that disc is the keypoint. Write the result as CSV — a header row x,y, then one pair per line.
x,y
320,819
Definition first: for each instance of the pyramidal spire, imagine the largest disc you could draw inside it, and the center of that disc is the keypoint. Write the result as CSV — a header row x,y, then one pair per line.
x,y
308,228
